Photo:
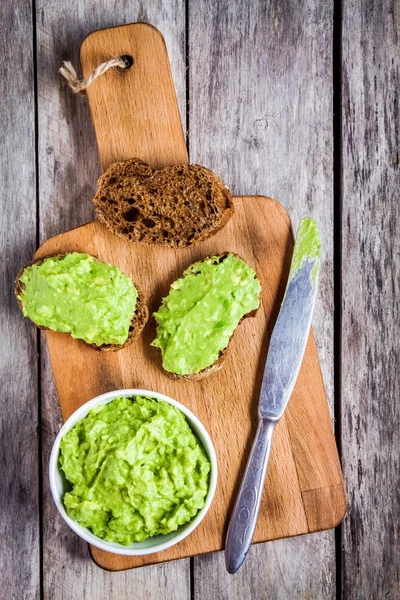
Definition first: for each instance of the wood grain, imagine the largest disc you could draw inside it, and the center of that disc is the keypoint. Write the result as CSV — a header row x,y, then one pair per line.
x,y
129,129
68,170
283,50
265,566
260,114
371,307
322,500
19,458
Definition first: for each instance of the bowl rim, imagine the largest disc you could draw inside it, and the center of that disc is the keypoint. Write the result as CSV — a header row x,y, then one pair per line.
x,y
79,414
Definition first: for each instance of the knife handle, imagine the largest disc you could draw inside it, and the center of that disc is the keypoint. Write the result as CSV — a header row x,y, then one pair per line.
x,y
244,516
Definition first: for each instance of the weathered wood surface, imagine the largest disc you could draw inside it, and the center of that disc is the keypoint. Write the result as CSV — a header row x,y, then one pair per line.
x,y
69,168
260,76
19,458
371,305
283,51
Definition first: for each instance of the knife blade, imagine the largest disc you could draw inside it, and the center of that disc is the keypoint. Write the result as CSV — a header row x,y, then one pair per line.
x,y
287,345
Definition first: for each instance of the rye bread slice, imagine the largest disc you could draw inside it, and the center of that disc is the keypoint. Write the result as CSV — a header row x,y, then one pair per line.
x,y
139,319
175,206
218,364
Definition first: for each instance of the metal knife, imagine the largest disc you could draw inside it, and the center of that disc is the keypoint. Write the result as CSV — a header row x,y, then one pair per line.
x,y
286,350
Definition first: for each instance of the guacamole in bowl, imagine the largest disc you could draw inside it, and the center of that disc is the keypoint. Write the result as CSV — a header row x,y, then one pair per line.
x,y
133,472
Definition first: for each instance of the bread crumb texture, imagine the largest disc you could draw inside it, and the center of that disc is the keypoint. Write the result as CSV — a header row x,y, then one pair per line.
x,y
175,206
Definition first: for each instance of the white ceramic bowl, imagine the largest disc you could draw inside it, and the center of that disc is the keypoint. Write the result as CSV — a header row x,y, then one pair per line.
x,y
59,485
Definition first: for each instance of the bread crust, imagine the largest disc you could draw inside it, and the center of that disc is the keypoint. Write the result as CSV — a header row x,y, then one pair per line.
x,y
218,364
139,319
176,206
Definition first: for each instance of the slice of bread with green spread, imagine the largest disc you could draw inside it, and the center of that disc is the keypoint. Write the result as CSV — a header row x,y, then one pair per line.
x,y
197,319
77,294
176,206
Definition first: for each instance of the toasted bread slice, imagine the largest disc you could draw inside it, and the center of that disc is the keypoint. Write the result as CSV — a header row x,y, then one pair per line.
x,y
218,364
139,319
176,206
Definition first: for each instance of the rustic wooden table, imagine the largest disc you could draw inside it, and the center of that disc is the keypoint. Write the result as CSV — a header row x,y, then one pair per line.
x,y
295,100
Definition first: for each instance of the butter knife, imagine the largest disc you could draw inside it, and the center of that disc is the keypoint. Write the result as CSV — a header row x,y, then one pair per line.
x,y
286,350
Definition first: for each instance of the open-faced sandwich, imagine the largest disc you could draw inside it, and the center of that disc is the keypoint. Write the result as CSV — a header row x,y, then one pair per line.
x,y
201,312
77,294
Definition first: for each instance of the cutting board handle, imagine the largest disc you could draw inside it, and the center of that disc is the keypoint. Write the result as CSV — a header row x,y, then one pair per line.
x,y
134,111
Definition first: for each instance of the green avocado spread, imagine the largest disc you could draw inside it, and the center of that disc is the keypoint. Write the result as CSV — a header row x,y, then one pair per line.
x,y
202,310
307,247
136,470
78,294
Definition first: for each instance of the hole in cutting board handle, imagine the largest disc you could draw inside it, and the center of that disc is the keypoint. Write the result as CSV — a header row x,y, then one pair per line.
x,y
128,60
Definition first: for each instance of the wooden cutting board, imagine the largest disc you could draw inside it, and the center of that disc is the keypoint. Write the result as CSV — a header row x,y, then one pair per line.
x,y
135,114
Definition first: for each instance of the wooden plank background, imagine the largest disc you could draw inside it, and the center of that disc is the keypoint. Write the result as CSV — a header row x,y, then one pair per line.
x,y
293,62
371,299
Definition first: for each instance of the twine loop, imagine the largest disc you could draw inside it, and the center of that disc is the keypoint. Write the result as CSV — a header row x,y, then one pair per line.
x,y
79,86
